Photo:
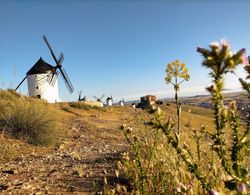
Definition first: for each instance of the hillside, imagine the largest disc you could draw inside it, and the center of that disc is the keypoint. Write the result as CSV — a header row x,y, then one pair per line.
x,y
85,153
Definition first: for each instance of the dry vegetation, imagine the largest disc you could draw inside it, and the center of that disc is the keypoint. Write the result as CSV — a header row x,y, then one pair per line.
x,y
91,136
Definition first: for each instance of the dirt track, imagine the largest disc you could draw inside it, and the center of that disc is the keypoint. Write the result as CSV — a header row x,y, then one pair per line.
x,y
79,164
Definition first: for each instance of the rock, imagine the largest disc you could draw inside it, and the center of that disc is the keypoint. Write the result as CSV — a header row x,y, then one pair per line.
x,y
10,171
17,182
3,187
62,147
74,155
76,137
68,164
27,186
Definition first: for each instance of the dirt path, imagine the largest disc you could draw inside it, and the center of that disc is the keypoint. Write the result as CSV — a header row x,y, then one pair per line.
x,y
79,164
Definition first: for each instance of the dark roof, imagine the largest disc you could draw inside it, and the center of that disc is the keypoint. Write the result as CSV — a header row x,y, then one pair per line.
x,y
40,67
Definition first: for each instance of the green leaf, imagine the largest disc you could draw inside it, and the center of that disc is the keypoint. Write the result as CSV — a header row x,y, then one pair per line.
x,y
247,144
243,172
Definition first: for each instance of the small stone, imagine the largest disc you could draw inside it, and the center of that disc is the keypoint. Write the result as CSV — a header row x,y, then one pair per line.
x,y
3,187
16,182
68,164
10,171
62,147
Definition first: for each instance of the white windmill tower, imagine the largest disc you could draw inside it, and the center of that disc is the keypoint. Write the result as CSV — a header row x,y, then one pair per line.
x,y
43,78
109,101
121,102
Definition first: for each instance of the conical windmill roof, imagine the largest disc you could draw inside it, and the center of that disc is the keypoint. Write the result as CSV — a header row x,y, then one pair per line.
x,y
40,67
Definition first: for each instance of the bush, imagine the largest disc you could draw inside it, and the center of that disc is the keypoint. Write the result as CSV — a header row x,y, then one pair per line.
x,y
35,122
84,106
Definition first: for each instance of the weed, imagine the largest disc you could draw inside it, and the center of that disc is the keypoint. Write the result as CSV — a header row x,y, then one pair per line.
x,y
202,161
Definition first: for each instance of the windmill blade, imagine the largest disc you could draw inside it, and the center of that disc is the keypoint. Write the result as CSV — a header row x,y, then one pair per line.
x,y
79,95
51,78
54,76
21,83
102,97
66,80
51,51
60,59
95,97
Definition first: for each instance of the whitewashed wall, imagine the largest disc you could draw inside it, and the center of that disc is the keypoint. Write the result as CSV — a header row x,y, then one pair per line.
x,y
109,102
38,85
121,103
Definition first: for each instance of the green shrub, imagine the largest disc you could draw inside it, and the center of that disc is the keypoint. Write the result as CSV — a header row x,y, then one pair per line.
x,y
83,106
35,122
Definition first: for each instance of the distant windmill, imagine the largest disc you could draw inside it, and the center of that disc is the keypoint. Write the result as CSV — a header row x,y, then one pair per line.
x,y
43,78
98,99
109,101
80,99
121,102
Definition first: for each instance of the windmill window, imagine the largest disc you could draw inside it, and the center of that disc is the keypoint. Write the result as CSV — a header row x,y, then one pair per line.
x,y
36,76
39,96
36,87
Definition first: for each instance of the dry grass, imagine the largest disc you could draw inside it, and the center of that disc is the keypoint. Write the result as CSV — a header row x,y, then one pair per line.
x,y
34,118
7,151
28,119
83,106
35,122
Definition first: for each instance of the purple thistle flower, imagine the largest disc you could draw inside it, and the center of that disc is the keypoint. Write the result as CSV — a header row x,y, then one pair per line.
x,y
242,189
213,192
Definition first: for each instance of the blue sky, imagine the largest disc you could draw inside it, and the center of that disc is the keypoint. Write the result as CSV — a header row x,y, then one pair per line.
x,y
119,47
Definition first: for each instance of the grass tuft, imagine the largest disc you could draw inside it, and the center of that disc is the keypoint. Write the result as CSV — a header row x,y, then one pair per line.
x,y
83,106
35,122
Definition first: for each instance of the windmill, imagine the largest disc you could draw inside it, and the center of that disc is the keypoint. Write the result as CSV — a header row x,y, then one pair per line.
x,y
109,101
121,102
80,99
99,99
43,78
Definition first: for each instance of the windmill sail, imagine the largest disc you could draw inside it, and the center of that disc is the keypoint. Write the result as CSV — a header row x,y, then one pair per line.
x,y
53,75
59,66
66,80
51,51
20,83
102,97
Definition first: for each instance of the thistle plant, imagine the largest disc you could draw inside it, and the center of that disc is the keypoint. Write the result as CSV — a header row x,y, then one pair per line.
x,y
214,160
221,60
177,73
